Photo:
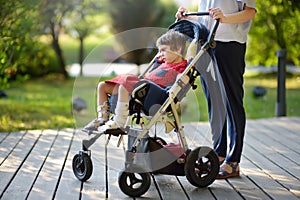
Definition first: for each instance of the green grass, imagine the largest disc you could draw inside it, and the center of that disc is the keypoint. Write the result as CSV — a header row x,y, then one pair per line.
x,y
265,107
46,103
255,107
37,104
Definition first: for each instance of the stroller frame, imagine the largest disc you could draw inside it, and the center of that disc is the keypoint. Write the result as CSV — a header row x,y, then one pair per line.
x,y
82,164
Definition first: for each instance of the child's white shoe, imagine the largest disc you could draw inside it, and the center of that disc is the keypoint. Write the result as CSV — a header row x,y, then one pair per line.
x,y
93,125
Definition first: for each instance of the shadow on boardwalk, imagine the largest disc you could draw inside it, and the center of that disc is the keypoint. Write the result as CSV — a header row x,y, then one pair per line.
x,y
38,165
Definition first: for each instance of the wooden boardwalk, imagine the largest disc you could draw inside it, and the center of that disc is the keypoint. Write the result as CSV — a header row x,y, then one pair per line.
x,y
38,165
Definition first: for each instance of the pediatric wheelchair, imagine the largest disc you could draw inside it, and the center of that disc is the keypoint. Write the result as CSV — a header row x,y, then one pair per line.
x,y
150,155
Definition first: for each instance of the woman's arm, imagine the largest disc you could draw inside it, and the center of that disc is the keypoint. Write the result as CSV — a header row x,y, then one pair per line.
x,y
216,13
239,17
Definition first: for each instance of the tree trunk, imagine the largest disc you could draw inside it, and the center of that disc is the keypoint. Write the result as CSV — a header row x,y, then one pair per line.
x,y
81,55
59,53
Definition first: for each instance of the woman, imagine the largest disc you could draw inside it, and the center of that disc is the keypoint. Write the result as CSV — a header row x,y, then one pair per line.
x,y
235,18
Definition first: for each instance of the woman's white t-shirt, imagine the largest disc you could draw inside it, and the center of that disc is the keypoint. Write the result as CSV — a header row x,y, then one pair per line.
x,y
227,32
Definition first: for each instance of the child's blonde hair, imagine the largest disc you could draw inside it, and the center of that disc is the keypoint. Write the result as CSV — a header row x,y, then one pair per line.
x,y
174,39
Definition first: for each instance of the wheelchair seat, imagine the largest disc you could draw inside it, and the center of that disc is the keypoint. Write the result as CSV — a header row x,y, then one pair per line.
x,y
147,97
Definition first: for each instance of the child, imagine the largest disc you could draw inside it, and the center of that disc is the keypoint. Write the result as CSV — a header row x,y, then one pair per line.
x,y
171,47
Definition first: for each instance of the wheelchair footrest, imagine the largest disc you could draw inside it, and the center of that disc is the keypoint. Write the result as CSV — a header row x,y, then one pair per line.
x,y
116,132
113,132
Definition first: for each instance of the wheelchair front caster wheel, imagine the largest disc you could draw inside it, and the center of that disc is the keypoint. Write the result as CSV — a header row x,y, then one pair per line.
x,y
134,184
82,166
202,167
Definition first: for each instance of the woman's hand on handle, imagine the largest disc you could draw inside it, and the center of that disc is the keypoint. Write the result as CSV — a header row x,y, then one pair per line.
x,y
182,10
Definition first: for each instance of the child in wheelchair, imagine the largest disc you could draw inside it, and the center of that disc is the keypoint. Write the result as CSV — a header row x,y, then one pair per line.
x,y
171,46
161,86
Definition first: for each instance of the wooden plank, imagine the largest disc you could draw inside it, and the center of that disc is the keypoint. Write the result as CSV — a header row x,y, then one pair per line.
x,y
69,186
278,154
193,192
114,191
12,164
272,143
246,192
222,190
289,123
22,182
280,134
198,134
294,120
3,136
243,185
269,166
9,143
280,165
259,170
169,187
152,193
246,188
96,186
275,165
46,183
116,162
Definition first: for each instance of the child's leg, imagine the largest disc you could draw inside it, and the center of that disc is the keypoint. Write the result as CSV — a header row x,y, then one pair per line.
x,y
121,111
103,90
102,104
102,100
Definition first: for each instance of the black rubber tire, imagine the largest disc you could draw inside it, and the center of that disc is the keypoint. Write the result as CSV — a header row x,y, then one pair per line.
x,y
132,185
202,167
82,166
161,140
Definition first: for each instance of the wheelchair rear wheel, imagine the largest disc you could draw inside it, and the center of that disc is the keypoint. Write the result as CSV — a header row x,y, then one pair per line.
x,y
134,184
202,167
82,166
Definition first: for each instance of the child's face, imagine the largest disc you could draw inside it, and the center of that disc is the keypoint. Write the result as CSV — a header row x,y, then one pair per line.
x,y
169,56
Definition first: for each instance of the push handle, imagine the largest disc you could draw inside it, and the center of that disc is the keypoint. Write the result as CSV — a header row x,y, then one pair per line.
x,y
210,40
185,14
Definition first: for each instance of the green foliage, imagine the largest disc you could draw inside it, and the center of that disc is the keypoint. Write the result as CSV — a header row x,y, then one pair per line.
x,y
170,8
276,26
130,14
51,17
134,14
22,22
83,21
85,18
19,47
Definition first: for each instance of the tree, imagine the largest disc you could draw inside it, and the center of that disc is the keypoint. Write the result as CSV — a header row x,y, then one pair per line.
x,y
19,47
83,21
276,26
52,14
134,14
